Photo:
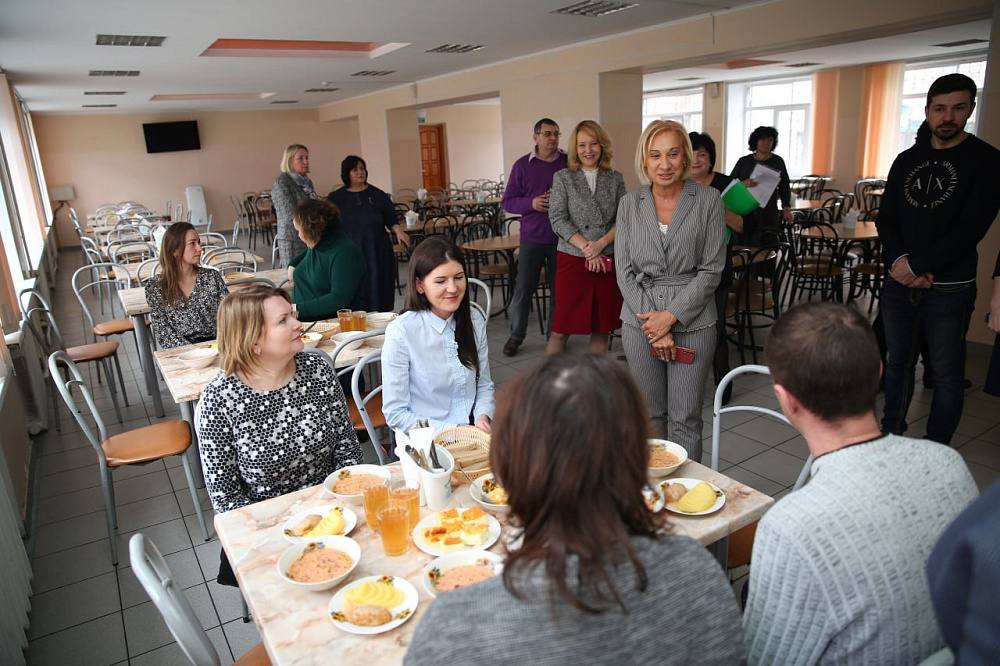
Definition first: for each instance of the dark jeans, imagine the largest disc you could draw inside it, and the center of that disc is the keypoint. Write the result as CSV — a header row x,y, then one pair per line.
x,y
530,259
941,315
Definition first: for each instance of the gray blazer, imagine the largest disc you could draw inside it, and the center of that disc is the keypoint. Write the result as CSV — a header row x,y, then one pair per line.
x,y
286,194
573,209
677,271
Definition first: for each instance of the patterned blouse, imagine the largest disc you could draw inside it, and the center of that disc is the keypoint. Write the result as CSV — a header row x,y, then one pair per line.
x,y
256,445
190,319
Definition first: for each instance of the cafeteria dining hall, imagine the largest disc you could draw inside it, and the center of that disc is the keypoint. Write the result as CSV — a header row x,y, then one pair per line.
x,y
595,331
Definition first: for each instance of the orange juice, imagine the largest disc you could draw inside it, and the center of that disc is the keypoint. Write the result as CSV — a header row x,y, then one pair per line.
x,y
376,498
360,320
409,499
346,320
395,535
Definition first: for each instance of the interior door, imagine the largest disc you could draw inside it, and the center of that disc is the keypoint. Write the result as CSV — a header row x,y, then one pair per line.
x,y
432,157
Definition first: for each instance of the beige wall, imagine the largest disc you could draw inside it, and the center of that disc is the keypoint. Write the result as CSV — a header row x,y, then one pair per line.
x,y
104,157
713,119
404,149
474,140
620,114
847,127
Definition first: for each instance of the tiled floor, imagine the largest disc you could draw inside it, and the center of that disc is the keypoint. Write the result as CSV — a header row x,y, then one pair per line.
x,y
85,611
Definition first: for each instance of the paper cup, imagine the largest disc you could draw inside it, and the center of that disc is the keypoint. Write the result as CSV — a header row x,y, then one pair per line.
x,y
435,487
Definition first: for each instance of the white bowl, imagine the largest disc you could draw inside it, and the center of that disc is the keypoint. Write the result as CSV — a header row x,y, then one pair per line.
x,y
341,543
311,339
449,561
326,328
328,482
673,448
199,358
476,491
339,338
380,319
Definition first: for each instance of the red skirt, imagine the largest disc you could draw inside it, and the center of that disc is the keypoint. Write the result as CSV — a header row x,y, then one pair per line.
x,y
586,302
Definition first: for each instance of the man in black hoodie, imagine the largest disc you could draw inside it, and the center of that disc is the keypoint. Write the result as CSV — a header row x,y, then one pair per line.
x,y
940,199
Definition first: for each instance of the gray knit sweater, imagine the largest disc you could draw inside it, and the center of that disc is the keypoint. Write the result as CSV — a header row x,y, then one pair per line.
x,y
687,615
837,575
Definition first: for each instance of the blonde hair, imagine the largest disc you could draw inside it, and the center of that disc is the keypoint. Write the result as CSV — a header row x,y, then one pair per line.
x,y
286,161
595,130
652,130
240,323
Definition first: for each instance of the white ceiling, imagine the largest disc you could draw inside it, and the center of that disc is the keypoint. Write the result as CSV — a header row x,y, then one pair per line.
x,y
47,47
909,47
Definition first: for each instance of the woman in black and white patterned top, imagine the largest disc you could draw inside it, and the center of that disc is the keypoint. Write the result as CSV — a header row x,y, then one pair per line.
x,y
275,420
185,296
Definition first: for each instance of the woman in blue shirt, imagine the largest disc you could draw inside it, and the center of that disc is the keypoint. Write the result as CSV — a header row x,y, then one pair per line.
x,y
435,361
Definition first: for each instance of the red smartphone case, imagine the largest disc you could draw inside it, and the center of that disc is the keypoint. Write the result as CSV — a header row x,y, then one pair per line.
x,y
685,355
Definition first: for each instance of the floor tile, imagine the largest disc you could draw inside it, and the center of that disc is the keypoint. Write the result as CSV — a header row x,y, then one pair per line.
x,y
183,567
226,599
796,446
70,533
73,604
150,511
78,645
146,629
187,504
735,447
67,460
71,565
169,537
983,453
767,430
64,482
208,557
974,425
766,486
241,636
775,465
984,476
194,529
172,655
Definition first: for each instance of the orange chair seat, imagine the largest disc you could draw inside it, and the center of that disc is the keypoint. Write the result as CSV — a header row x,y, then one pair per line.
x,y
741,545
114,327
255,656
374,409
148,443
92,352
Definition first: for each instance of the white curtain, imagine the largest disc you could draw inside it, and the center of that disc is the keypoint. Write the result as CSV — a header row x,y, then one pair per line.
x,y
15,581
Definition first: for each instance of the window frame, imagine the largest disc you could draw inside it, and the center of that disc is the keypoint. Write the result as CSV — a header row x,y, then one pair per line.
x,y
733,153
904,139
684,116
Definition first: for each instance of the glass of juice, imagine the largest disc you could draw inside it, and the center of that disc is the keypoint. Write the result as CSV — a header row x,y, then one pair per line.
x,y
393,523
346,321
407,497
360,320
376,498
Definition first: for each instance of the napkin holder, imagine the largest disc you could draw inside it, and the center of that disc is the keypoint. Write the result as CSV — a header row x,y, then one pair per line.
x,y
412,218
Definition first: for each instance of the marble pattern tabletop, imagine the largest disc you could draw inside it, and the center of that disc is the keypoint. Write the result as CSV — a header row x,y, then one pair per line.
x,y
293,623
134,298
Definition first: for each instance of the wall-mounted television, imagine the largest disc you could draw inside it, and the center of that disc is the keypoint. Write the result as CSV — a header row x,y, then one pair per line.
x,y
170,137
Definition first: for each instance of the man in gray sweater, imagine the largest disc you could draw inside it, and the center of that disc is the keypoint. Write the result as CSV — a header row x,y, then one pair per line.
x,y
837,569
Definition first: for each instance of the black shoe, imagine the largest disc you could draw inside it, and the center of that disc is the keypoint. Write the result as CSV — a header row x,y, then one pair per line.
x,y
510,347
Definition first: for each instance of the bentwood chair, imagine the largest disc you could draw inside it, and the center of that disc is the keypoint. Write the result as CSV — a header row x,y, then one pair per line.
x,y
478,286
133,447
146,270
369,406
167,595
229,259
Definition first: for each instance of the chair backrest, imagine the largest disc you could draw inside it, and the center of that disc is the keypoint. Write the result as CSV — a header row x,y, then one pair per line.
x,y
478,286
147,269
60,360
275,253
361,401
228,259
212,239
93,278
130,252
167,595
40,322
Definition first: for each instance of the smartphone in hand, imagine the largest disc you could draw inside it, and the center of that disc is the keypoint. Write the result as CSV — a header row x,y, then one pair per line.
x,y
684,355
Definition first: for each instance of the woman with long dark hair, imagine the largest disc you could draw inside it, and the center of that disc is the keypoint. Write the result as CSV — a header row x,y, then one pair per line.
x,y
435,361
184,297
596,578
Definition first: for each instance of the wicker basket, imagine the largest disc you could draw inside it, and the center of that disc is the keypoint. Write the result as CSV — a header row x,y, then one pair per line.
x,y
471,449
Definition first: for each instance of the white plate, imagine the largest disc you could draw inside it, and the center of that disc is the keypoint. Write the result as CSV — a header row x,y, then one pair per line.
x,y
460,558
400,613
430,521
328,482
350,520
648,492
720,499
476,492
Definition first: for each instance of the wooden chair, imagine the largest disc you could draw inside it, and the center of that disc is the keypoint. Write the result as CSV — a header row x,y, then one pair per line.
x,y
133,447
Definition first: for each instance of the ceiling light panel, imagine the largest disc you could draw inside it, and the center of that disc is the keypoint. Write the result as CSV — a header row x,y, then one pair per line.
x,y
374,72
98,106
103,92
129,40
321,90
455,48
691,78
803,64
285,101
594,8
961,42
114,72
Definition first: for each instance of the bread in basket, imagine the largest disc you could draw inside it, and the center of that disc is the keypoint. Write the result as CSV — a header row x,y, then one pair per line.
x,y
471,449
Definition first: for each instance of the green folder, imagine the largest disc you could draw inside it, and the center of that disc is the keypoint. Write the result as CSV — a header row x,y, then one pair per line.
x,y
738,199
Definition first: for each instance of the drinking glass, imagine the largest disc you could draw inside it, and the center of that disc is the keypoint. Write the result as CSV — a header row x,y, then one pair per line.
x,y
395,535
376,498
407,497
346,320
360,320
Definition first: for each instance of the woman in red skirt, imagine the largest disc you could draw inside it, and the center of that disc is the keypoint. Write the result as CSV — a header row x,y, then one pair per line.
x,y
582,208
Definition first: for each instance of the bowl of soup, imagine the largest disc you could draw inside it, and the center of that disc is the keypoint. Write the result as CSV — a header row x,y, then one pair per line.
x,y
665,457
201,357
311,339
348,484
319,564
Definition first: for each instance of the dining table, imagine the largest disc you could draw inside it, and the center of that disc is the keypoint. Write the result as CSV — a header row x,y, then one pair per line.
x,y
862,231
294,624
508,244
807,204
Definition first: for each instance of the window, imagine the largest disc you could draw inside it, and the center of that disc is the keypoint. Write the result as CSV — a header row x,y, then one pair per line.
x,y
917,79
684,106
10,230
785,105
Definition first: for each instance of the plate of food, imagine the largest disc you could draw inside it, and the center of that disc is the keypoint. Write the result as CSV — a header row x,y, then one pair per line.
x,y
456,529
348,484
654,498
319,564
373,605
489,494
321,521
455,570
665,457
692,497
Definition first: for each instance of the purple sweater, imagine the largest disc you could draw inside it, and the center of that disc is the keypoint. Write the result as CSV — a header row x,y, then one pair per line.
x,y
529,177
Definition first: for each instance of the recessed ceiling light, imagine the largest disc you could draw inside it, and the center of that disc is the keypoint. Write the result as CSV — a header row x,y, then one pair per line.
x,y
961,42
98,106
318,90
691,78
455,48
803,64
129,40
374,72
285,101
103,92
114,72
594,8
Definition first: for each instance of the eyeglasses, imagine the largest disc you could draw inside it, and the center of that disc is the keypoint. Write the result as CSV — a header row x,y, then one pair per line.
x,y
548,134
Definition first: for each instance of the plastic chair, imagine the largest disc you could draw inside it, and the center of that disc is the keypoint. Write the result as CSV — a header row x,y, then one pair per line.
x,y
372,417
166,594
134,447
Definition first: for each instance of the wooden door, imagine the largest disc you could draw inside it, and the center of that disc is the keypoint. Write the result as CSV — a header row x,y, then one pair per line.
x,y
432,156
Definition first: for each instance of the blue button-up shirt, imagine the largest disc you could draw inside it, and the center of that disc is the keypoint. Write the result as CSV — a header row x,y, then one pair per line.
x,y
423,378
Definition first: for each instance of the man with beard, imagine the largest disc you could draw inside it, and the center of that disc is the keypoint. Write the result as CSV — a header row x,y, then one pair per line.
x,y
940,200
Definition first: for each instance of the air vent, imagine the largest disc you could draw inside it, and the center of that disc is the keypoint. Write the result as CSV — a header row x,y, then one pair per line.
x,y
374,72
691,78
285,101
103,92
594,8
455,48
961,42
114,72
317,90
803,64
98,106
129,40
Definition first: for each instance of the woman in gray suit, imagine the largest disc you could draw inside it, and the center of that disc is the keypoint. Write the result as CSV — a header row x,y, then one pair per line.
x,y
582,208
291,187
669,255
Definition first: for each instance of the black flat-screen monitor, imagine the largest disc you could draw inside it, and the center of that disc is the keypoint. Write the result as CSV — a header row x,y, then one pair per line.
x,y
170,137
